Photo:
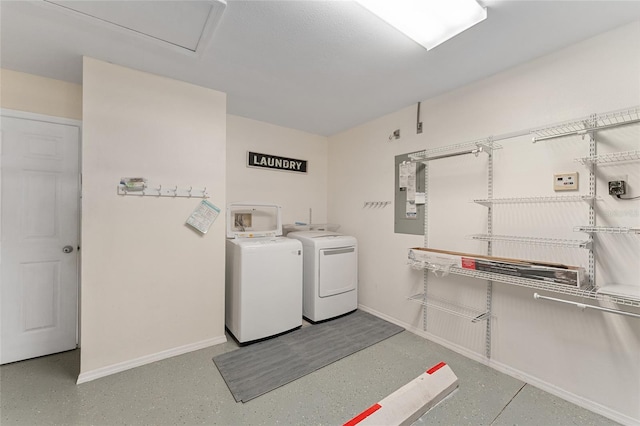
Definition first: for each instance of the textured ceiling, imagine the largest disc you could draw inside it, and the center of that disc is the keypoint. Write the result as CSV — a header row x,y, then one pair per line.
x,y
317,66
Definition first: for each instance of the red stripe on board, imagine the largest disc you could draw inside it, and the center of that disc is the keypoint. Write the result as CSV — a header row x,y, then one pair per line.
x,y
366,413
435,368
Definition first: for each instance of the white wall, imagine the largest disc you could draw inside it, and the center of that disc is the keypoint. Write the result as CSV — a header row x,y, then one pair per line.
x,y
295,192
31,93
588,357
152,287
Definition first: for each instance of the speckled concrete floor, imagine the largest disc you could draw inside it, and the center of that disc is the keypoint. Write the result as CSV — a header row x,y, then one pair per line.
x,y
188,390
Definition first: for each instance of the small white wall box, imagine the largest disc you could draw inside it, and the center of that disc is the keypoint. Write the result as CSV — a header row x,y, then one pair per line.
x,y
565,181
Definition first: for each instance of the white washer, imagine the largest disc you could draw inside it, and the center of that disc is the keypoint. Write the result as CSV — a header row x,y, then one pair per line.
x,y
330,285
263,284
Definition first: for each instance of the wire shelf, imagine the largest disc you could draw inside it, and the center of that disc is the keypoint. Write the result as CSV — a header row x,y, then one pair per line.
x,y
618,117
612,157
588,124
588,293
554,242
474,315
550,199
607,229
578,127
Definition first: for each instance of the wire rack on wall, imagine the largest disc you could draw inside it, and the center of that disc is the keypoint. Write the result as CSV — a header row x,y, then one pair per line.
x,y
607,229
586,292
545,199
589,124
612,157
585,127
551,242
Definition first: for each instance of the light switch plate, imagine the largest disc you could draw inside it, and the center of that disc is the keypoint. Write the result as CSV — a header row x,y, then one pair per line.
x,y
565,181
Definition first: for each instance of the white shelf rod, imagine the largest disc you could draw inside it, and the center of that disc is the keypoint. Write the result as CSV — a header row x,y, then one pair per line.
x,y
460,149
475,151
455,154
585,306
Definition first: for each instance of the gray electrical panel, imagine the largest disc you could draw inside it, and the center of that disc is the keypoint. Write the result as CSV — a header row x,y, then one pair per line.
x,y
404,222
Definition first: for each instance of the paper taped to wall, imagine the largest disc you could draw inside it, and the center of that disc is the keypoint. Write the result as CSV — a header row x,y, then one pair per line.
x,y
203,216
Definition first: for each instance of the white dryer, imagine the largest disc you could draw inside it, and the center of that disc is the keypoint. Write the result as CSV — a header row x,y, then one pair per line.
x,y
330,285
263,281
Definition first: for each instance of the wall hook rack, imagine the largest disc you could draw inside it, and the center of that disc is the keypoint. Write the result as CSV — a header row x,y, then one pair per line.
x,y
160,191
375,204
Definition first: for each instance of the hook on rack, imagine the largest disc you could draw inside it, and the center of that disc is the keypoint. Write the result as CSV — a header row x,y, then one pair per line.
x,y
376,204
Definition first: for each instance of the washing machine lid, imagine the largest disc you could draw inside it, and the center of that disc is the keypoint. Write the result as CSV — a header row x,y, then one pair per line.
x,y
267,223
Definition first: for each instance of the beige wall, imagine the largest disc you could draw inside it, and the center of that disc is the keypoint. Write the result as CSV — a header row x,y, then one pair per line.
x,y
588,357
31,93
151,286
295,192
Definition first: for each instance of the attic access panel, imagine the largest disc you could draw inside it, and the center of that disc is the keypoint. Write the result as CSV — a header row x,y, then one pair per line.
x,y
183,24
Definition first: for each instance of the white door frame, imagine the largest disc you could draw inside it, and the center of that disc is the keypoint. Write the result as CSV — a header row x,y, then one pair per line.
x,y
4,112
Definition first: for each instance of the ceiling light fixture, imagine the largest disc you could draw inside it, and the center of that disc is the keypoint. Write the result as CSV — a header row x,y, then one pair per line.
x,y
428,22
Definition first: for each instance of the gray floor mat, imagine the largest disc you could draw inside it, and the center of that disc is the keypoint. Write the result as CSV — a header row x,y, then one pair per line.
x,y
258,368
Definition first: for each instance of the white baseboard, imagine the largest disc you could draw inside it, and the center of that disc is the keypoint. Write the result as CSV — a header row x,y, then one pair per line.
x,y
147,359
515,373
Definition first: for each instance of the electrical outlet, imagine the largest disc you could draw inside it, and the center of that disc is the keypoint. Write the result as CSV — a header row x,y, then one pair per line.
x,y
565,181
617,187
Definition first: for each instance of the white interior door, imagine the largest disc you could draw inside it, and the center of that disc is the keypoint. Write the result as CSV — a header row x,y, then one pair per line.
x,y
39,238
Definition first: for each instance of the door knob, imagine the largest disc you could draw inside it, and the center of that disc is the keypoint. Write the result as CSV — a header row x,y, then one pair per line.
x,y
67,249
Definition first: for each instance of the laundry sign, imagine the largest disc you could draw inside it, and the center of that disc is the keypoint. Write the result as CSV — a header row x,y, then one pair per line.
x,y
255,159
